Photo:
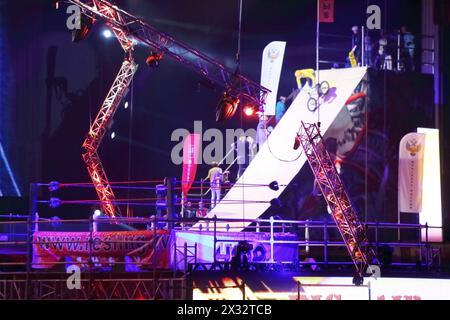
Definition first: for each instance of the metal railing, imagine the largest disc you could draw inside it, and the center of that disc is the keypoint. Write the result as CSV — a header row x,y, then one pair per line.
x,y
272,227
424,49
328,237
23,282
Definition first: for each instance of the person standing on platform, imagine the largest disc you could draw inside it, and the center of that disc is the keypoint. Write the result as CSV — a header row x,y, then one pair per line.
x,y
280,109
244,147
201,212
215,176
261,131
188,212
408,48
383,60
356,45
368,50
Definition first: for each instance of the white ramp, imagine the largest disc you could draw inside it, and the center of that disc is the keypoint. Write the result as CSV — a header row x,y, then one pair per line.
x,y
277,160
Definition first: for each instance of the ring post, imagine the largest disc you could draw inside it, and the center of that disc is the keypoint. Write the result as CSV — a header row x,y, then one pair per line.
x,y
33,212
169,202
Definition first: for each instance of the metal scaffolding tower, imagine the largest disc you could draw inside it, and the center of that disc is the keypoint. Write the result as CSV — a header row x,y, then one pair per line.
x,y
130,30
97,132
352,231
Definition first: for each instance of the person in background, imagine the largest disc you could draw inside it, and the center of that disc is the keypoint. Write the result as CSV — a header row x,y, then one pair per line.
x,y
245,151
368,50
280,109
261,131
356,44
201,211
97,215
226,177
408,49
215,176
188,212
383,59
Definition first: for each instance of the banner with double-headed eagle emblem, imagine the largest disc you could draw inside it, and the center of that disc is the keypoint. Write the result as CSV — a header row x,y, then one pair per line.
x,y
410,179
272,64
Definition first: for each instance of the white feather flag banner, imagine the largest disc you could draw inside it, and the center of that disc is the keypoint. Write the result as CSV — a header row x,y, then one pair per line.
x,y
272,64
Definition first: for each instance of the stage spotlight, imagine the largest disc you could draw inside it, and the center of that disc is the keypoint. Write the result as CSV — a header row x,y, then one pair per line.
x,y
97,213
107,33
250,110
126,105
113,135
226,108
154,59
274,186
86,24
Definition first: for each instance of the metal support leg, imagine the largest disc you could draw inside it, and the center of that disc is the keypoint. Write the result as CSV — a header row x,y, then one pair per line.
x,y
34,188
170,182
271,240
325,248
352,231
215,239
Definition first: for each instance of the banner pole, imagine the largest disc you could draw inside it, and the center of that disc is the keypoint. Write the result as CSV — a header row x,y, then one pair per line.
x,y
317,37
398,208
317,57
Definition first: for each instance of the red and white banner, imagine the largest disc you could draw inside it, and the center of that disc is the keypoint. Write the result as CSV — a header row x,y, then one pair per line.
x,y
191,149
272,64
141,246
410,173
326,11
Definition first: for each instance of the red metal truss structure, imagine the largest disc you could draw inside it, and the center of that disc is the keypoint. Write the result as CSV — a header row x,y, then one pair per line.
x,y
330,183
106,114
102,286
97,132
128,27
129,30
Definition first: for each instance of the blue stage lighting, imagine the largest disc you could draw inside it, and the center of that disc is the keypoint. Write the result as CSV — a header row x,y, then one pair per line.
x,y
9,171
